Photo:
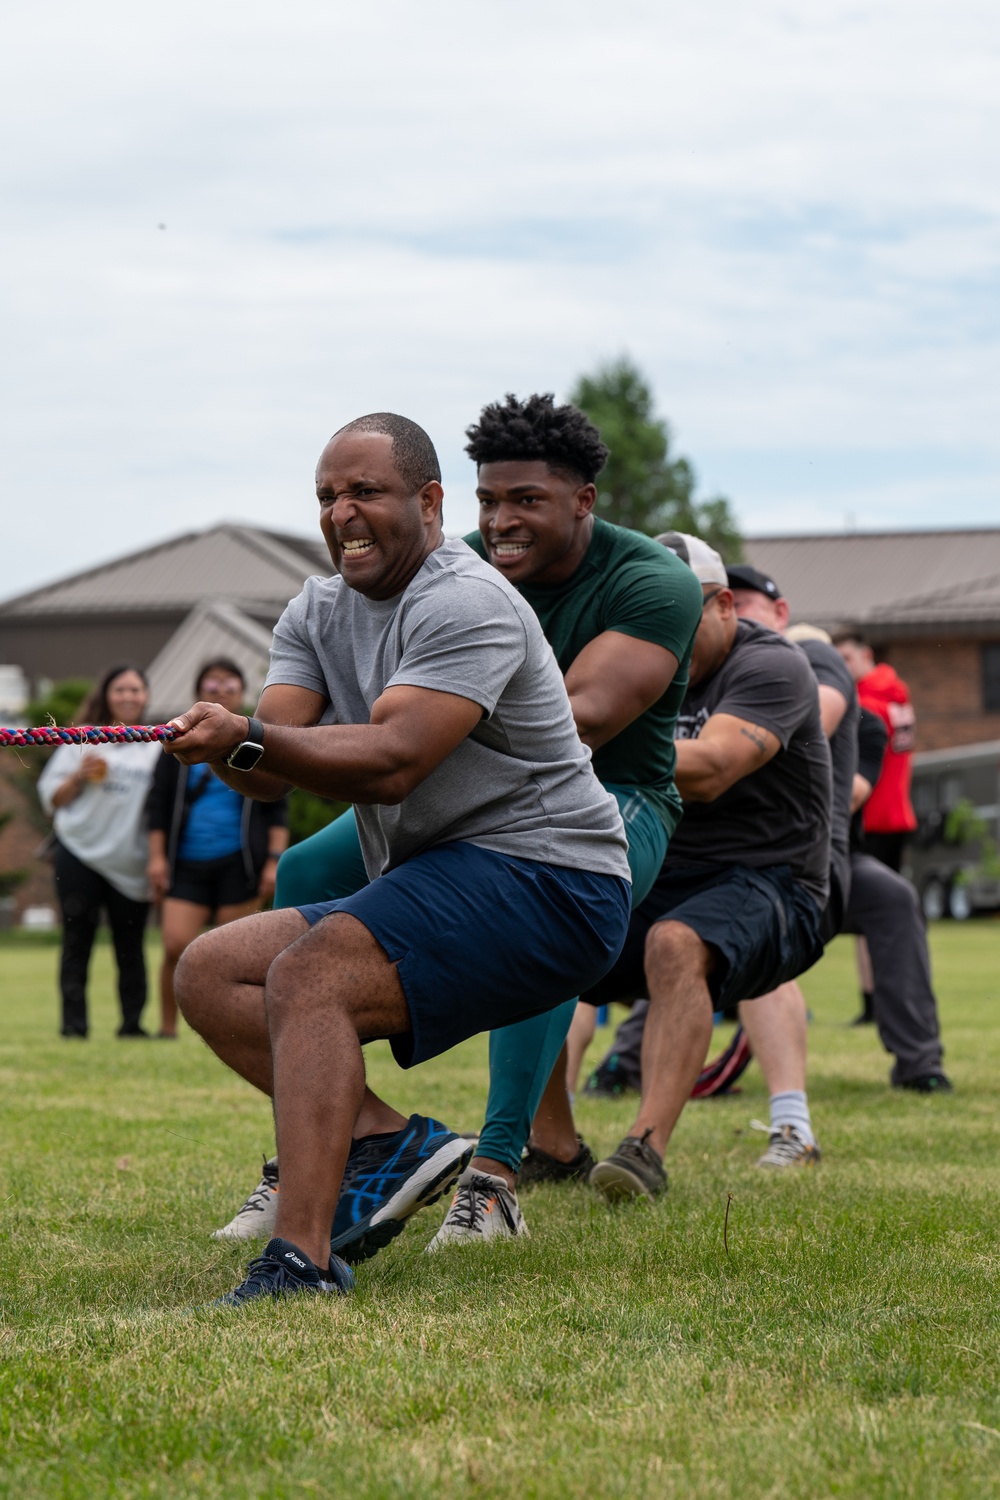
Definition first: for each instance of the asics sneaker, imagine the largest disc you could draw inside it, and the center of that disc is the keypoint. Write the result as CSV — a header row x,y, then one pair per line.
x,y
388,1178
483,1208
634,1170
256,1218
283,1271
538,1166
786,1147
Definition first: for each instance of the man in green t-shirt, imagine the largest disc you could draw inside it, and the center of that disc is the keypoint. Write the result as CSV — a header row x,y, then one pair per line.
x,y
620,612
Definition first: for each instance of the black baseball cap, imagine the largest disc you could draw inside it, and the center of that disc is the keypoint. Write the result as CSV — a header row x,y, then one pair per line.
x,y
743,576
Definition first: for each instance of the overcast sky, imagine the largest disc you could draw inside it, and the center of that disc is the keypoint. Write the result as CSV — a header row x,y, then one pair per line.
x,y
228,228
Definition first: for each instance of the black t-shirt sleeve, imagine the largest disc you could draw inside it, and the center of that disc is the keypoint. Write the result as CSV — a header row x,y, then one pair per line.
x,y
770,684
872,740
829,667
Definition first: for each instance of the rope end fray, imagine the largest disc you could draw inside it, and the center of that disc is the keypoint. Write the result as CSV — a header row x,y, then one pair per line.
x,y
89,734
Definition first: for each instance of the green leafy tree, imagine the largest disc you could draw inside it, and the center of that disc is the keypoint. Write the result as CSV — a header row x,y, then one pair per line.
x,y
307,814
60,705
644,486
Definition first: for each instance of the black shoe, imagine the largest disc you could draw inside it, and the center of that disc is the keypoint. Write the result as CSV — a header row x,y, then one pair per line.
x,y
610,1081
538,1166
867,1016
74,1031
133,1031
927,1083
284,1270
634,1170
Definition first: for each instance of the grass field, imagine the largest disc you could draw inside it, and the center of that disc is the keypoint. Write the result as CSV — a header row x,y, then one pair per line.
x,y
847,1344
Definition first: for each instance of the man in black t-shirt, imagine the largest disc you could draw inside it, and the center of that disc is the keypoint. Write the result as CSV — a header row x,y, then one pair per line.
x,y
737,908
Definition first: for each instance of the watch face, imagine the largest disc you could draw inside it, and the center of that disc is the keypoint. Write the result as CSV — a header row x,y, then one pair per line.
x,y
245,756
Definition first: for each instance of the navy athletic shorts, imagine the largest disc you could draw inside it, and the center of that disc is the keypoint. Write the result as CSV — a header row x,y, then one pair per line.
x,y
481,939
763,927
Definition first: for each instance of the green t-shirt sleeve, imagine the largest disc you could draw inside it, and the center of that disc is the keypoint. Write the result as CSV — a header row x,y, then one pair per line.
x,y
655,603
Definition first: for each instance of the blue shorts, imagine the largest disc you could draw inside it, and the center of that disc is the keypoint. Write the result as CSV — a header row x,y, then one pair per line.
x,y
482,940
763,927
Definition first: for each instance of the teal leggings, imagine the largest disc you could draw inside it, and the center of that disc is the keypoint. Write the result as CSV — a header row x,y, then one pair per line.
x,y
329,865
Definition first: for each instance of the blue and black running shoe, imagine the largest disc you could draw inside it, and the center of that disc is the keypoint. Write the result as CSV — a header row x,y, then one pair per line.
x,y
284,1271
388,1178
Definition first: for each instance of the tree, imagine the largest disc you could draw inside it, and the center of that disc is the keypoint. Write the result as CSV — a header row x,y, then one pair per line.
x,y
644,486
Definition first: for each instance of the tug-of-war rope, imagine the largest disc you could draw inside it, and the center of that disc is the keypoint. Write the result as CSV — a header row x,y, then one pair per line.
x,y
88,734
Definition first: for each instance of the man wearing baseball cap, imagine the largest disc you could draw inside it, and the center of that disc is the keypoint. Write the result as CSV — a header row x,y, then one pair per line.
x,y
737,908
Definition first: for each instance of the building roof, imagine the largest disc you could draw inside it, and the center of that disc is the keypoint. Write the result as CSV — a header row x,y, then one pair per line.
x,y
910,579
242,564
213,628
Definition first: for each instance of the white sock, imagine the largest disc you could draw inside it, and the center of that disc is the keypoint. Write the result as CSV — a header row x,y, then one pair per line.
x,y
792,1108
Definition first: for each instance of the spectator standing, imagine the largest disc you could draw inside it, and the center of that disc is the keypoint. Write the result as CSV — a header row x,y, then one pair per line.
x,y
213,855
888,818
97,796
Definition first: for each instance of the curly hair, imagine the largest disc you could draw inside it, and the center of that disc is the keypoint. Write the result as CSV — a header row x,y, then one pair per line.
x,y
537,428
413,453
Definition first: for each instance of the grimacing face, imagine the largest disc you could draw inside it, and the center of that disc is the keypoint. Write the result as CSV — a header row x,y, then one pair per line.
x,y
533,520
751,604
127,697
377,532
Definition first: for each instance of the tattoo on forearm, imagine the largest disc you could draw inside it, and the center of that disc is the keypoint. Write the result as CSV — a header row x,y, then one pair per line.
x,y
757,737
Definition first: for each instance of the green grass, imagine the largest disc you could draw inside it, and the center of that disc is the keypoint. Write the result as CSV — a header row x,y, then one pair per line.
x,y
847,1344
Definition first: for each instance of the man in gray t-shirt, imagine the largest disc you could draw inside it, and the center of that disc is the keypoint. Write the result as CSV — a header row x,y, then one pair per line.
x,y
418,685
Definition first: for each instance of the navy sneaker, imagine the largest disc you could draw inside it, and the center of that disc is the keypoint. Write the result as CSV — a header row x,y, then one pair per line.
x,y
283,1271
388,1178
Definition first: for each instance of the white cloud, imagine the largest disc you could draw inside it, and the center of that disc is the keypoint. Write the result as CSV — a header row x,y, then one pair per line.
x,y
789,213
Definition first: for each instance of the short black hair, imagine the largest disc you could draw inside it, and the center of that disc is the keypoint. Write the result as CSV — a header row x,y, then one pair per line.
x,y
413,453
219,664
563,436
855,637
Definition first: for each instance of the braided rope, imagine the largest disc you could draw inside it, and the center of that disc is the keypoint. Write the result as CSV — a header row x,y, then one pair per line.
x,y
88,734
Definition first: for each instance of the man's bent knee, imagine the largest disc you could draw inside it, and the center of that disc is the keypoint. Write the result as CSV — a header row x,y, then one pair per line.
x,y
197,972
673,949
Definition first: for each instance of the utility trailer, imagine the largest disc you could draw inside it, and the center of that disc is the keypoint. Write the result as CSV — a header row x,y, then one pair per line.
x,y
955,875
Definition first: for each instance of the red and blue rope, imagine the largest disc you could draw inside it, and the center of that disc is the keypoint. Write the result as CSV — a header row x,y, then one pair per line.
x,y
88,734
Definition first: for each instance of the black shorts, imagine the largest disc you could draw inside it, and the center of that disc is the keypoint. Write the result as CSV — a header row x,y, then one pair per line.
x,y
213,882
762,926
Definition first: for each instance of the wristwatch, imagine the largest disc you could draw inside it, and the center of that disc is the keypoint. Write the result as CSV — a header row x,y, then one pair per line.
x,y
249,751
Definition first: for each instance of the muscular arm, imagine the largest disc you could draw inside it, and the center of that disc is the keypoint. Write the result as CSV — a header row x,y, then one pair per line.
x,y
410,732
613,680
726,750
832,708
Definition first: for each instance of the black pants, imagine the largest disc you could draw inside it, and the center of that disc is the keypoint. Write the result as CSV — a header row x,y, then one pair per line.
x,y
887,848
885,909
82,894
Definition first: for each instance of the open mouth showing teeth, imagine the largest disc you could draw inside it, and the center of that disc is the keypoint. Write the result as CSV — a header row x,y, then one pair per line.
x,y
357,548
510,549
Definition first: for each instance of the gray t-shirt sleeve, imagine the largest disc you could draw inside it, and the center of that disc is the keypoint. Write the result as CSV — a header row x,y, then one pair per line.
x,y
294,660
775,689
468,639
829,667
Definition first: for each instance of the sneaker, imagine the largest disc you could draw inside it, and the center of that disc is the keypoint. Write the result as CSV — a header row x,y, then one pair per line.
x,y
283,1271
255,1219
609,1081
927,1083
786,1147
388,1178
634,1170
483,1208
538,1166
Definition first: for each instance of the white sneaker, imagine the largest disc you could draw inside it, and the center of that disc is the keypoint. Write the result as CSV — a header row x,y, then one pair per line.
x,y
483,1208
255,1220
786,1147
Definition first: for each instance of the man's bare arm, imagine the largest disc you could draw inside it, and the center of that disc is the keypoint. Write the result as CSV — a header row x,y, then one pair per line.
x,y
613,680
411,731
726,750
861,790
832,708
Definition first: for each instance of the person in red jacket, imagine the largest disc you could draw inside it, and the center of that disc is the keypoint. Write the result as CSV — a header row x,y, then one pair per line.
x,y
888,814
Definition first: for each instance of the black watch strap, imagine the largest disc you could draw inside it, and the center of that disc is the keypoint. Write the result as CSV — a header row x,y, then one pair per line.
x,y
249,751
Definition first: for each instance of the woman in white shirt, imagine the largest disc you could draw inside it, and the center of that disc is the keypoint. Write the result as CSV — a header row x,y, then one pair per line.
x,y
97,794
